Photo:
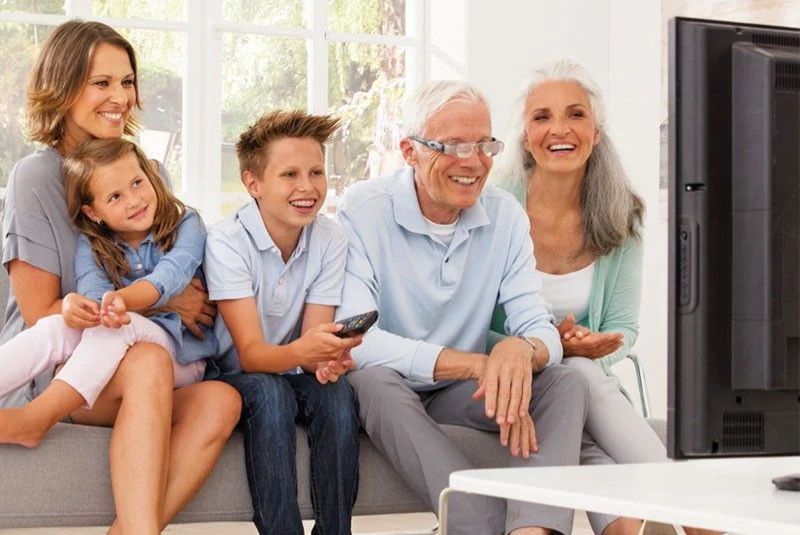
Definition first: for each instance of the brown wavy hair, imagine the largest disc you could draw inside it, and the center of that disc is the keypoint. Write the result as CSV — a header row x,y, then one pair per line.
x,y
78,170
60,72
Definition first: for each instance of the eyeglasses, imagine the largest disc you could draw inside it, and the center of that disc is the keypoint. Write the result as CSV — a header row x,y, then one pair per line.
x,y
463,150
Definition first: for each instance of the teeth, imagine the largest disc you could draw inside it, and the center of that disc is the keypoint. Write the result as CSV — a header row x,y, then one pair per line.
x,y
305,203
112,116
466,180
562,146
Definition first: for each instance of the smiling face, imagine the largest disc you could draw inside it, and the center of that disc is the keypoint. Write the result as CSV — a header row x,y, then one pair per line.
x,y
446,184
291,188
123,199
103,106
560,130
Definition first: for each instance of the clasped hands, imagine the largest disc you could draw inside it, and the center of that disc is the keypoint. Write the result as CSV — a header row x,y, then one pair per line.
x,y
324,353
80,312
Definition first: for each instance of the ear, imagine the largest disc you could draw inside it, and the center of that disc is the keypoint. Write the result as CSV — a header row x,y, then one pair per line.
x,y
409,151
596,136
252,184
89,212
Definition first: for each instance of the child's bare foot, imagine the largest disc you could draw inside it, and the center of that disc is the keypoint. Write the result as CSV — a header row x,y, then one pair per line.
x,y
16,428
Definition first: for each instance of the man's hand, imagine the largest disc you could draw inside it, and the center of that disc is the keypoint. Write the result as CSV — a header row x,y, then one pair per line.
x,y
329,372
80,312
194,308
506,384
579,341
320,344
113,312
520,437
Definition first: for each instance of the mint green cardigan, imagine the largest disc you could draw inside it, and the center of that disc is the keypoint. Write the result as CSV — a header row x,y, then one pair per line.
x,y
614,301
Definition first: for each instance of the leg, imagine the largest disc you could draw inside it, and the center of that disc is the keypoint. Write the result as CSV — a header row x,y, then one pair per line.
x,y
138,403
269,410
559,407
331,414
395,420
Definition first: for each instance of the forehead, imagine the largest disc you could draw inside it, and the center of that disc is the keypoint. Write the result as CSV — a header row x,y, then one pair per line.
x,y
460,118
110,59
557,93
293,151
119,171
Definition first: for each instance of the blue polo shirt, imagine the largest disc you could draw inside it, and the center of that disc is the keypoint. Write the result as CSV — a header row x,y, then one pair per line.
x,y
430,295
243,261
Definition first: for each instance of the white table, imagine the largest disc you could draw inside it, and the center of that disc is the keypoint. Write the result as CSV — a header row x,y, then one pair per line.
x,y
734,494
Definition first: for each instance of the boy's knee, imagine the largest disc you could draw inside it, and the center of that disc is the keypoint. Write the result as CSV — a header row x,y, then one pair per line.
x,y
269,398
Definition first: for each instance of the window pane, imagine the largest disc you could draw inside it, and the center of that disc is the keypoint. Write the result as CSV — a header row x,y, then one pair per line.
x,y
161,55
19,44
259,74
385,17
48,7
366,91
140,9
286,13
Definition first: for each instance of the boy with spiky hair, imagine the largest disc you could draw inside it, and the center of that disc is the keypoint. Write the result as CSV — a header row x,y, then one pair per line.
x,y
276,270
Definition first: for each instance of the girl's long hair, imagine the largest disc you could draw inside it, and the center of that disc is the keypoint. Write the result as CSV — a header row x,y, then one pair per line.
x,y
78,171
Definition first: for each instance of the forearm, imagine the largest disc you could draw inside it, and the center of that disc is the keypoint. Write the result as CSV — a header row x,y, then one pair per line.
x,y
454,365
141,295
268,358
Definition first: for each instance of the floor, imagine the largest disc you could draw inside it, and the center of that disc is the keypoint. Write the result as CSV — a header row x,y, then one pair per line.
x,y
418,523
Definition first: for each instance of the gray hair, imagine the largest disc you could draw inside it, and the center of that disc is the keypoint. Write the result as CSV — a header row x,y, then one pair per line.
x,y
611,211
432,97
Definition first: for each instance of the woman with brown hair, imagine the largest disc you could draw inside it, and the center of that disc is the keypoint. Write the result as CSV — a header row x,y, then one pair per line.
x,y
164,442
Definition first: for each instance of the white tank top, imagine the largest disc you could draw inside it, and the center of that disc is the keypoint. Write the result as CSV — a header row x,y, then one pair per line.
x,y
569,292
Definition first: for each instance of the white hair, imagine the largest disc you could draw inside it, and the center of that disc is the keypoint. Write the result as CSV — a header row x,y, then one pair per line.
x,y
432,97
611,211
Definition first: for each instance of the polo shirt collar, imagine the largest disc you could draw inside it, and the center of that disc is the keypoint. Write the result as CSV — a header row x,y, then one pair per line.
x,y
254,225
408,214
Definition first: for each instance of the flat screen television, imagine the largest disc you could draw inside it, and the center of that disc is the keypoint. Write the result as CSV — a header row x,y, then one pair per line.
x,y
734,239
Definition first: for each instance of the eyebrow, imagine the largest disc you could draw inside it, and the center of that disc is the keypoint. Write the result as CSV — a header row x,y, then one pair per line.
x,y
93,76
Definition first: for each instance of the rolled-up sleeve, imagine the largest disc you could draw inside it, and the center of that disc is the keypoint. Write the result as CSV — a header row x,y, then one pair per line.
x,y
175,269
92,280
29,237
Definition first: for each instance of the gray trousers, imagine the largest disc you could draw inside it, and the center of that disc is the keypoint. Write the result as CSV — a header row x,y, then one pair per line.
x,y
403,425
615,433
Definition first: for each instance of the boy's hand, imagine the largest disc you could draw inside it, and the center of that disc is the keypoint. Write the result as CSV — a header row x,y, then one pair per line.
x,y
319,344
113,312
80,312
329,372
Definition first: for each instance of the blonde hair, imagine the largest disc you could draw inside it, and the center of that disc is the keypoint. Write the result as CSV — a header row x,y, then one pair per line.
x,y
78,170
60,72
611,211
252,149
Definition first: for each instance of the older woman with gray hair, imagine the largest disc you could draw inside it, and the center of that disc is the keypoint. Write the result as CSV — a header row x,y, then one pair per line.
x,y
586,225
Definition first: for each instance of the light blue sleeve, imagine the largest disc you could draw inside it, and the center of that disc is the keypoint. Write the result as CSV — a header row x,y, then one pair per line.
x,y
175,269
621,313
413,359
527,313
327,286
92,280
229,275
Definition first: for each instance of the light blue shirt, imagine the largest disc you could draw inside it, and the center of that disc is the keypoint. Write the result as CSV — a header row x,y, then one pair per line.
x,y
429,295
169,272
243,261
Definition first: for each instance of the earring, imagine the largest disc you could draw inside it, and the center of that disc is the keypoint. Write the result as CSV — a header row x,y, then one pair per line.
x,y
99,221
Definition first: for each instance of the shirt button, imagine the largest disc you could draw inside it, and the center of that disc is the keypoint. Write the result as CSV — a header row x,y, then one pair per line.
x,y
280,282
138,266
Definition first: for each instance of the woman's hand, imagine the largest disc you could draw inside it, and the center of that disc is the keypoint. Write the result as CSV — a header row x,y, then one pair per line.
x,y
80,312
113,312
194,308
320,344
579,341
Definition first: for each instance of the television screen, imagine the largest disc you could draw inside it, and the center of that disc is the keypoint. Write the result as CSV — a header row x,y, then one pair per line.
x,y
734,205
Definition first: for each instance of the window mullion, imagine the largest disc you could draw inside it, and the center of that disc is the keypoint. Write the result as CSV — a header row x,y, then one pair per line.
x,y
78,8
318,56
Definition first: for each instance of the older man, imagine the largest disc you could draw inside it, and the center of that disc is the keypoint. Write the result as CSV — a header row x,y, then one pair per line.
x,y
434,251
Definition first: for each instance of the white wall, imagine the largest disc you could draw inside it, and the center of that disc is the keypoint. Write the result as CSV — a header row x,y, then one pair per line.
x,y
619,42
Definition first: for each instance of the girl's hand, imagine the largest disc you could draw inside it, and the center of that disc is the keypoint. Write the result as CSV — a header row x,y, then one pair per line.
x,y
80,312
319,344
194,308
578,341
113,312
329,372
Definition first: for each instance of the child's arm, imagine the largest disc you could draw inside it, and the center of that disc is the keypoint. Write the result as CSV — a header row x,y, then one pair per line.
x,y
329,371
241,317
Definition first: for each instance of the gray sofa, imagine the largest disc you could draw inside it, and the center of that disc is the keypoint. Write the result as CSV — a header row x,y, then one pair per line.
x,y
65,481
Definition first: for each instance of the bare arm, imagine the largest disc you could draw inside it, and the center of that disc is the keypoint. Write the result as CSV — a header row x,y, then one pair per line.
x,y
454,365
36,290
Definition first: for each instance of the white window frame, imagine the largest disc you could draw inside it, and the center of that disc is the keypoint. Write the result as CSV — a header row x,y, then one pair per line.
x,y
203,26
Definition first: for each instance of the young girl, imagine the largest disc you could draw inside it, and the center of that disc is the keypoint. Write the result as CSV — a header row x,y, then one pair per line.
x,y
139,247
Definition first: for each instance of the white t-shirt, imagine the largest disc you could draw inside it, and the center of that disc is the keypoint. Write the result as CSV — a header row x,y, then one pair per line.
x,y
569,292
443,232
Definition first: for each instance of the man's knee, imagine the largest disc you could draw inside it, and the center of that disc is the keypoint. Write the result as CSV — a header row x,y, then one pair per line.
x,y
373,382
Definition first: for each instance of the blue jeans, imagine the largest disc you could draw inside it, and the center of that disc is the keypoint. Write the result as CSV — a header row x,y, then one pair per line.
x,y
271,406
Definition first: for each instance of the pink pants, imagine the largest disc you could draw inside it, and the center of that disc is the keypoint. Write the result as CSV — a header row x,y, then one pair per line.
x,y
91,355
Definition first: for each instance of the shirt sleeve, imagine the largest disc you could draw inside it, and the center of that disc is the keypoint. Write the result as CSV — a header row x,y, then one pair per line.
x,y
413,359
175,269
622,312
327,287
228,273
527,313
92,280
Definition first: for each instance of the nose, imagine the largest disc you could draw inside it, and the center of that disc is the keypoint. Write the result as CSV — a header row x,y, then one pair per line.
x,y
119,94
559,126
